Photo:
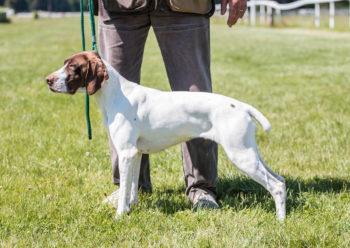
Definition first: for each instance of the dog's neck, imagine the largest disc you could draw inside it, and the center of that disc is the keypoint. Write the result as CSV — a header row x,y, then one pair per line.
x,y
113,92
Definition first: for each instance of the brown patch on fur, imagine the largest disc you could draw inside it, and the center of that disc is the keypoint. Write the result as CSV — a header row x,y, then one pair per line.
x,y
85,69
232,105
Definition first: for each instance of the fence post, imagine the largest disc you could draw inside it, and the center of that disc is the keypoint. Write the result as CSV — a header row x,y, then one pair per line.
x,y
252,13
262,14
331,15
317,15
270,14
279,15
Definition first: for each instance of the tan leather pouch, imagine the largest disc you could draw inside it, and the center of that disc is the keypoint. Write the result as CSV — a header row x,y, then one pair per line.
x,y
126,6
191,6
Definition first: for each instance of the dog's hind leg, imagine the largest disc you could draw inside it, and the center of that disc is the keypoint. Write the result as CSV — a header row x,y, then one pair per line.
x,y
278,191
270,170
248,161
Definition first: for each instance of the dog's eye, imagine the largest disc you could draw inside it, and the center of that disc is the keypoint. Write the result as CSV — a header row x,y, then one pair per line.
x,y
77,70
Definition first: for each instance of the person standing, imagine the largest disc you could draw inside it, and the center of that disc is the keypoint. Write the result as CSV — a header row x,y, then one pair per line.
x,y
182,31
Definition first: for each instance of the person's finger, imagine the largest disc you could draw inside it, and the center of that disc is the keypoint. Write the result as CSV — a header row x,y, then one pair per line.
x,y
236,17
233,15
223,6
242,8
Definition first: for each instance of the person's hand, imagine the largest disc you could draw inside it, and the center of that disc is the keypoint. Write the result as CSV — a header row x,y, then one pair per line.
x,y
237,9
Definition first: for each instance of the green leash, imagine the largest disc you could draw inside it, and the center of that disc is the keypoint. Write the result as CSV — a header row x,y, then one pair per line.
x,y
94,47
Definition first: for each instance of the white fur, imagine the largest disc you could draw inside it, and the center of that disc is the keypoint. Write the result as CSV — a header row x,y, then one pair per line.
x,y
144,120
60,84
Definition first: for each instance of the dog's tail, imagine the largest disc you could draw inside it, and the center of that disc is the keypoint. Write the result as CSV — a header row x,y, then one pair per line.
x,y
265,124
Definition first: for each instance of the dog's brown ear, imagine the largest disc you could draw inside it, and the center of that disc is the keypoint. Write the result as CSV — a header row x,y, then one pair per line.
x,y
97,73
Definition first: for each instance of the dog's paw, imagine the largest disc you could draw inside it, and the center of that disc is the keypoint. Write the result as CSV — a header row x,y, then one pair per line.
x,y
117,216
121,212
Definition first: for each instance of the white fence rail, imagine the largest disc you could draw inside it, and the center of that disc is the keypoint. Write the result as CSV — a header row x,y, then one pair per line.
x,y
270,5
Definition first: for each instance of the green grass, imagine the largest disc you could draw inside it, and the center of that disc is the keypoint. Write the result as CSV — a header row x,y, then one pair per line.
x,y
300,79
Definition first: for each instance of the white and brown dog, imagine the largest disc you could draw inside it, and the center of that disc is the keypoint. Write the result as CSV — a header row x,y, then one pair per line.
x,y
144,120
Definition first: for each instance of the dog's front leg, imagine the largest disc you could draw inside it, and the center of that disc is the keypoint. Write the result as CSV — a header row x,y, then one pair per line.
x,y
128,160
135,181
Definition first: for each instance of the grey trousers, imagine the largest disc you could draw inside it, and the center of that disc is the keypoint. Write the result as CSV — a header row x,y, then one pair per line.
x,y
185,46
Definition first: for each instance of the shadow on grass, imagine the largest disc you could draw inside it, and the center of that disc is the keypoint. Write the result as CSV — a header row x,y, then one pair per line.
x,y
169,201
242,192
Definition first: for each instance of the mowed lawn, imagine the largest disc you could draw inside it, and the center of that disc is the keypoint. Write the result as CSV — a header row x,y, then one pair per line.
x,y
53,178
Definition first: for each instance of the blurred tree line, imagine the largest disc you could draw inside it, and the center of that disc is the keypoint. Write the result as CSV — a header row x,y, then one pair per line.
x,y
50,5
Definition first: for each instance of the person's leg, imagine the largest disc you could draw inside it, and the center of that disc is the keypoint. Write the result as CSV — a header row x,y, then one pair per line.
x,y
185,45
121,43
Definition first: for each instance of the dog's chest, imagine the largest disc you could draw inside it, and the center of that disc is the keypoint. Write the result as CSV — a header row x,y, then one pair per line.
x,y
156,141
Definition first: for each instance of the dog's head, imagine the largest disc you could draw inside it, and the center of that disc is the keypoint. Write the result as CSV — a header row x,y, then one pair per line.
x,y
84,69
